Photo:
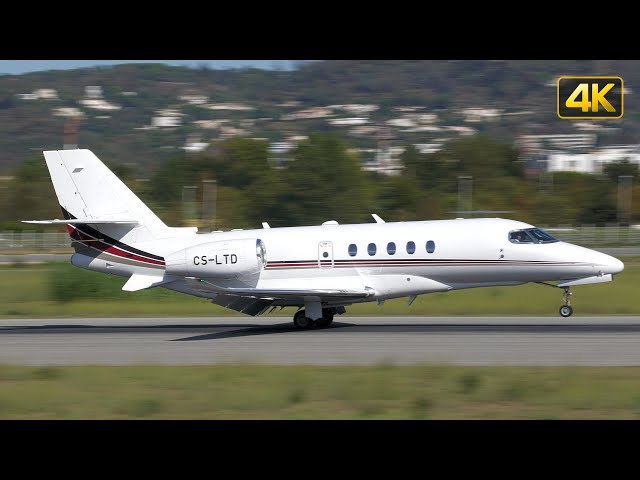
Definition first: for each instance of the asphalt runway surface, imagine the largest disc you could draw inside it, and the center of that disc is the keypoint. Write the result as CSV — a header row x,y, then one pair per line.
x,y
544,341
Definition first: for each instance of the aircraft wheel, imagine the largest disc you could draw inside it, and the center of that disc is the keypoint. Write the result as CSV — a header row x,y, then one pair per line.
x,y
301,321
326,320
566,310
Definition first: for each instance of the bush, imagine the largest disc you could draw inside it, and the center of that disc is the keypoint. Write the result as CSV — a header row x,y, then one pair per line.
x,y
68,283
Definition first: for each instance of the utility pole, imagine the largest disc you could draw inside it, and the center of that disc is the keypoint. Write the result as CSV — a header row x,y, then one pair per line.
x,y
70,137
209,200
188,203
624,199
465,193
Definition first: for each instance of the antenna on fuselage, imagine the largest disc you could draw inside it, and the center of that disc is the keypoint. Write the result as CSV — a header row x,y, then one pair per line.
x,y
377,218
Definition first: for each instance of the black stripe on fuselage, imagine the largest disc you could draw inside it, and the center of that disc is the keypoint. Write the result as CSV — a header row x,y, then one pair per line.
x,y
87,230
412,262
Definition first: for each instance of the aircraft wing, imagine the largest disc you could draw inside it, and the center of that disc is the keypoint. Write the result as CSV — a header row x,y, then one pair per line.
x,y
254,301
280,294
250,306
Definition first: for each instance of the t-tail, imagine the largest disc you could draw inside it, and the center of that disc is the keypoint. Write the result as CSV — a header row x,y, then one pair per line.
x,y
103,216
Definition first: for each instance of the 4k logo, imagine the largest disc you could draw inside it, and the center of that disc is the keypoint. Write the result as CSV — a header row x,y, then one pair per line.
x,y
590,97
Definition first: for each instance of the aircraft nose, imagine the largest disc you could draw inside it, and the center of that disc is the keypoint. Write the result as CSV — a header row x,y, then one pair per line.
x,y
613,266
608,264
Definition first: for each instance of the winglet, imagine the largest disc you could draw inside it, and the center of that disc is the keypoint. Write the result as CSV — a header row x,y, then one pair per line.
x,y
377,218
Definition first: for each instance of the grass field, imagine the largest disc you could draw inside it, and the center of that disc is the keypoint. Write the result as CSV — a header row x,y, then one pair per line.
x,y
61,290
306,392
287,392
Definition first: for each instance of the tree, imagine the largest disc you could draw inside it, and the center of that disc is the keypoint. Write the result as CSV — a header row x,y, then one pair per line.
x,y
31,193
325,182
624,167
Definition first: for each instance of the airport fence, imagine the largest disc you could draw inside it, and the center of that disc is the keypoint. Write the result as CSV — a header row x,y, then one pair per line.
x,y
586,235
34,241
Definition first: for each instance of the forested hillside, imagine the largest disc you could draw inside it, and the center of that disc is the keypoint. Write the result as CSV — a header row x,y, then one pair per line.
x,y
139,119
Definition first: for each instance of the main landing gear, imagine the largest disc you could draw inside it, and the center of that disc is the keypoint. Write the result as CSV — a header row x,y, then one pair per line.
x,y
566,310
303,323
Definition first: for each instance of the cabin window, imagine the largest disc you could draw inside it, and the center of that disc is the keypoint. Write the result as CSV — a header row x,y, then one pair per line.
x,y
411,247
431,246
371,249
391,248
353,250
325,254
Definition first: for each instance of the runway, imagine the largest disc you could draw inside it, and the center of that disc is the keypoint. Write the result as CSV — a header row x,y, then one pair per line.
x,y
593,341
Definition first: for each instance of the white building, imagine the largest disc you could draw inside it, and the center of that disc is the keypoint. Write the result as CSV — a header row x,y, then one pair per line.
x,y
46,93
480,114
93,91
165,121
99,104
591,162
349,121
67,112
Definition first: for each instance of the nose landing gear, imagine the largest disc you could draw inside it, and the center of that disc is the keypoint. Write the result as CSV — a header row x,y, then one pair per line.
x,y
566,310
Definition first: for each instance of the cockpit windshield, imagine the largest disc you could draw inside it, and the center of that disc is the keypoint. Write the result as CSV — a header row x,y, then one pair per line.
x,y
531,235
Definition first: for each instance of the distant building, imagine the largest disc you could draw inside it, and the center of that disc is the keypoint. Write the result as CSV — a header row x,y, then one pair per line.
x,y
349,121
167,118
98,104
228,106
584,162
309,113
93,91
165,121
41,93
46,93
480,114
194,145
194,99
67,112
279,153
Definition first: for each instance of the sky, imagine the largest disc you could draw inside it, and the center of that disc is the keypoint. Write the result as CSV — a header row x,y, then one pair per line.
x,y
17,67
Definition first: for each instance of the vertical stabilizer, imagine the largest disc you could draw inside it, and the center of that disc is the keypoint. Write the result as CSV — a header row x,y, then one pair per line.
x,y
87,189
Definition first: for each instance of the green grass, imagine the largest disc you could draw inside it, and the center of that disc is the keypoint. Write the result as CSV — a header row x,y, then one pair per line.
x,y
307,392
61,290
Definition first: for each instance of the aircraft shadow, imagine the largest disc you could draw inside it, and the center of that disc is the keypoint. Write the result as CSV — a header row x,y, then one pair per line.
x,y
264,330
75,328
551,328
237,330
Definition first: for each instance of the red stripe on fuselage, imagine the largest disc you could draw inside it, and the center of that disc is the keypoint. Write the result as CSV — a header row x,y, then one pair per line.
x,y
98,244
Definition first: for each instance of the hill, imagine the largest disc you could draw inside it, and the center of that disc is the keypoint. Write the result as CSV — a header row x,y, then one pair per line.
x,y
144,113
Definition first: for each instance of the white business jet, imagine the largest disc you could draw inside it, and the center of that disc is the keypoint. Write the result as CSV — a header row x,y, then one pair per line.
x,y
317,269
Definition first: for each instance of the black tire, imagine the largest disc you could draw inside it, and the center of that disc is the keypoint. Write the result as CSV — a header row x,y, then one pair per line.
x,y
566,310
326,320
301,321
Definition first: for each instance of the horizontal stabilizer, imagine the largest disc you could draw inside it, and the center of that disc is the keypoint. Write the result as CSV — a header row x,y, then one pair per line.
x,y
585,281
76,221
140,282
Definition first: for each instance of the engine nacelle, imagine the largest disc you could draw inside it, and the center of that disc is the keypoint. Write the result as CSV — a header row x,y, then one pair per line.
x,y
223,259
